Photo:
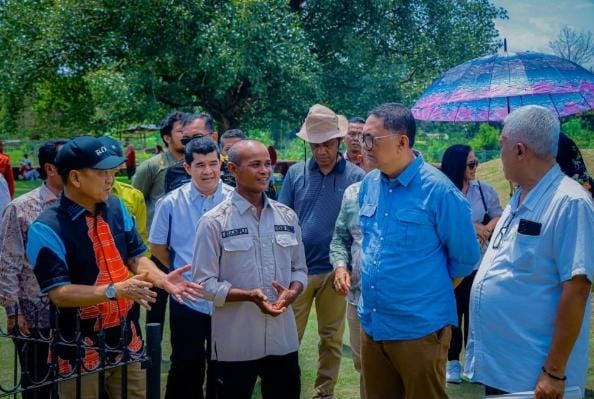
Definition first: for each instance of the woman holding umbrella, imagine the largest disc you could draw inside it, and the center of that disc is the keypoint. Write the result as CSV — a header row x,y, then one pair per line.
x,y
459,164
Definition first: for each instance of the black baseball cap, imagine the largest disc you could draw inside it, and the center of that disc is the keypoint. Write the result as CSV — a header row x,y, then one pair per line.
x,y
86,152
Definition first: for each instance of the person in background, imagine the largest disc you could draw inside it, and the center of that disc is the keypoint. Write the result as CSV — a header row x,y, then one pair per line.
x,y
345,256
133,198
27,171
459,164
353,153
193,125
26,307
417,238
229,138
314,190
530,301
150,180
6,170
249,256
130,160
571,162
177,214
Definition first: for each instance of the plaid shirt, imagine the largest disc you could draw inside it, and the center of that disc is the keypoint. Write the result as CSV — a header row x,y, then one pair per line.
x,y
19,290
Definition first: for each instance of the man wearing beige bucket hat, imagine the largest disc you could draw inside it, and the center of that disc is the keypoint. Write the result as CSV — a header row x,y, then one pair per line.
x,y
314,189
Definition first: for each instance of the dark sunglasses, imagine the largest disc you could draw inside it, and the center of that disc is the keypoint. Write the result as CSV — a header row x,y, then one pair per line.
x,y
473,164
186,140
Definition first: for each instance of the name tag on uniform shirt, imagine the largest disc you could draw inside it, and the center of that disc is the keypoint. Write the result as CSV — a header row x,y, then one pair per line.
x,y
234,232
284,227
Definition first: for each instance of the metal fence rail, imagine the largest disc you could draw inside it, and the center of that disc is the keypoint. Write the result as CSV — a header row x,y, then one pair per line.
x,y
27,346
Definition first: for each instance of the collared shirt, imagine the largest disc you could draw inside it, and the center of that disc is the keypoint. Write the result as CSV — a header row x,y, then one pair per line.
x,y
69,245
183,208
134,201
316,199
235,249
19,289
417,237
345,247
515,296
150,179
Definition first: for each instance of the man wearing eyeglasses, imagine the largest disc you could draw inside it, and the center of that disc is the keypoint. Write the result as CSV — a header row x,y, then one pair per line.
x,y
529,304
417,237
314,190
193,125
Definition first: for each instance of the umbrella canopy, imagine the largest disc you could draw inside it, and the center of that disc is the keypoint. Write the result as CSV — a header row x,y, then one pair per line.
x,y
489,88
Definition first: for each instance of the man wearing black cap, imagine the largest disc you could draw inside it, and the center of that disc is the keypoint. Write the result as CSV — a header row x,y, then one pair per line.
x,y
82,252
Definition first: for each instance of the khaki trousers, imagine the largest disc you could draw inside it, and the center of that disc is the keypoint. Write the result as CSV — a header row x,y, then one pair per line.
x,y
411,369
89,384
355,338
330,309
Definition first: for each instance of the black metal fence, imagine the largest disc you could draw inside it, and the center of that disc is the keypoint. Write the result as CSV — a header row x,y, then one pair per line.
x,y
35,365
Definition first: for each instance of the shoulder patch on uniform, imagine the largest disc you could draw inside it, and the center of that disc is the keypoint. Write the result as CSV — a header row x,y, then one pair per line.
x,y
234,232
284,227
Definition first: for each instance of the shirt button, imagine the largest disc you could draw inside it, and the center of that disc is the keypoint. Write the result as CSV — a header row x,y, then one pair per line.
x,y
381,238
375,262
391,190
373,286
386,214
374,309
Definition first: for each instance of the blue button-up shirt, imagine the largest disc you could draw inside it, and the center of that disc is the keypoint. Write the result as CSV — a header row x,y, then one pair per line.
x,y
176,217
417,236
516,293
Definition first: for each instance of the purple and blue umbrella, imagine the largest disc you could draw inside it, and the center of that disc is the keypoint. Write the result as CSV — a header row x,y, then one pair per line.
x,y
489,88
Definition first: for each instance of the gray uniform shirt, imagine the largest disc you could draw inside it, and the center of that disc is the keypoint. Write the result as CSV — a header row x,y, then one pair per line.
x,y
233,248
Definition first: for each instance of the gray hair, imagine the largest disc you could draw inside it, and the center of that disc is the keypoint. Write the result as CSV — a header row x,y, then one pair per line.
x,y
536,127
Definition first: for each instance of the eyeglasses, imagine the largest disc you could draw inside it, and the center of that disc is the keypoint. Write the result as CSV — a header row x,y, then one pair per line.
x,y
186,140
473,164
503,231
368,140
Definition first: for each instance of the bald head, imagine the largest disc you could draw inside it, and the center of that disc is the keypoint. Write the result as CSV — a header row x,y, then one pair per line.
x,y
243,149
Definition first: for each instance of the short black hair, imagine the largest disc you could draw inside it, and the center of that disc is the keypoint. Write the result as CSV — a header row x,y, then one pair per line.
x,y
234,133
168,122
397,118
47,154
357,119
208,121
200,145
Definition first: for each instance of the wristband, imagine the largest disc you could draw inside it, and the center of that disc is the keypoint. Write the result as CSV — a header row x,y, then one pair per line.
x,y
553,376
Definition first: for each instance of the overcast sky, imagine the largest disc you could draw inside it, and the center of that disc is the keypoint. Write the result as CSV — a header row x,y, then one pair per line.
x,y
533,23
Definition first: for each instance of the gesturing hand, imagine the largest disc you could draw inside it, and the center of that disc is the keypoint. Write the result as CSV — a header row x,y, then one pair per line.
x,y
180,288
285,296
265,306
137,289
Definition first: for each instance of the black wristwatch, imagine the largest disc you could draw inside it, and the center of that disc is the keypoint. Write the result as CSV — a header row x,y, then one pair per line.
x,y
110,292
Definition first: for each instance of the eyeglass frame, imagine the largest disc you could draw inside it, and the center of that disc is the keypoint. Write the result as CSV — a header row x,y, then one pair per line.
x,y
363,139
186,140
503,230
473,164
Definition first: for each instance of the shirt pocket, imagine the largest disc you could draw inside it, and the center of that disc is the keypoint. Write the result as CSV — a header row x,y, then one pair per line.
x,y
416,228
524,251
239,260
284,245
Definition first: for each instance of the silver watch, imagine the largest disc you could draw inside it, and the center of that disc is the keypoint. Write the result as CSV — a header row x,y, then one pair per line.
x,y
110,292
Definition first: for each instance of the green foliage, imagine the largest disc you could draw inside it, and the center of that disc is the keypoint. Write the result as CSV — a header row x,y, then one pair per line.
x,y
486,139
94,66
579,131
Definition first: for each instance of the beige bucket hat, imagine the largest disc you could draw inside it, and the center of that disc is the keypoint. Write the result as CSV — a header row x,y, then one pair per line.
x,y
322,124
